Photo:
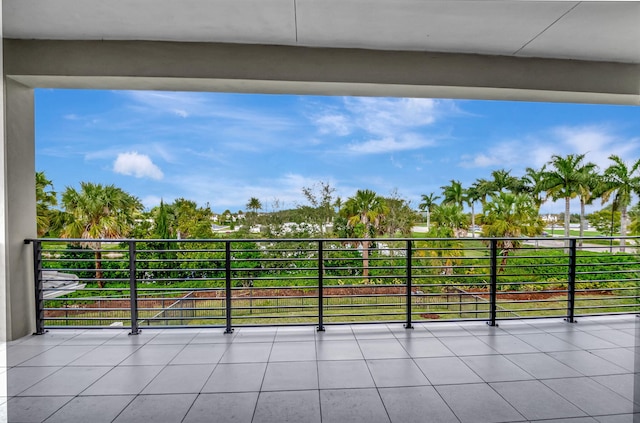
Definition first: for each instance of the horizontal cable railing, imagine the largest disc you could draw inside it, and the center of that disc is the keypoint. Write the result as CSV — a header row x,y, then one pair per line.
x,y
227,282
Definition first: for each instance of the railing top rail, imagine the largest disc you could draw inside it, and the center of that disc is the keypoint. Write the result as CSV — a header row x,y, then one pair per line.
x,y
346,240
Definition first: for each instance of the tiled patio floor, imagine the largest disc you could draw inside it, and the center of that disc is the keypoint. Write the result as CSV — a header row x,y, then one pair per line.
x,y
547,371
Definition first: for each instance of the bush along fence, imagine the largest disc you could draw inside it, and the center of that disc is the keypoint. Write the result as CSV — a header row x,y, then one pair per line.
x,y
228,283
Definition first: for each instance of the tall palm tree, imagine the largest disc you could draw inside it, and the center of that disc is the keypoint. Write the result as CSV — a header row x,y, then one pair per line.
x,y
254,205
453,193
45,199
532,183
564,181
502,180
484,187
428,201
471,195
587,191
366,209
621,180
510,215
98,212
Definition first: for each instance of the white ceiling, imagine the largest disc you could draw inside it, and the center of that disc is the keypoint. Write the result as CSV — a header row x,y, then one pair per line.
x,y
595,31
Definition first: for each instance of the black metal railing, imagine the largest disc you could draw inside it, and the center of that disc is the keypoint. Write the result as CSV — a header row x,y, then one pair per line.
x,y
228,283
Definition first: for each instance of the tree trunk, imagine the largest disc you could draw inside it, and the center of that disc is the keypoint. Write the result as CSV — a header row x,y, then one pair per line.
x,y
98,256
623,226
473,221
582,222
567,216
365,260
428,220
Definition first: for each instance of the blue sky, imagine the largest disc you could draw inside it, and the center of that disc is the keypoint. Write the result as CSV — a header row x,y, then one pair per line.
x,y
226,148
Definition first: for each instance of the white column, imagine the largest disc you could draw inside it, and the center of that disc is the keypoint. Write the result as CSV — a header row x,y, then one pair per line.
x,y
17,211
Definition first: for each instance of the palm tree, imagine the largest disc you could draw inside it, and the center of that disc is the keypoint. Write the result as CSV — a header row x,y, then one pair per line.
x,y
484,187
450,219
45,199
510,215
621,180
365,209
453,193
564,181
502,180
428,201
586,192
98,212
254,205
532,183
471,195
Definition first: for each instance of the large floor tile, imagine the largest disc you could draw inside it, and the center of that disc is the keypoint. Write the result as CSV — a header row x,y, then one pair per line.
x,y
623,385
590,396
469,345
546,342
156,408
619,356
382,348
291,376
584,340
338,350
478,403
495,368
59,355
535,401
587,363
106,355
414,404
34,409
124,380
352,405
295,406
447,370
153,355
616,337
396,372
542,366
67,381
98,409
180,379
508,344
344,374
249,352
425,347
223,408
241,377
200,354
21,378
18,353
293,351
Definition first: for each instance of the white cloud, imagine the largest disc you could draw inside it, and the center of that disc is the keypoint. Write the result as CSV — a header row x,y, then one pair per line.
x,y
389,145
72,116
388,124
335,124
138,165
534,150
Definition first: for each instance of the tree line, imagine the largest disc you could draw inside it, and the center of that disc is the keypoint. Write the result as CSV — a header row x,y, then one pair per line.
x,y
510,207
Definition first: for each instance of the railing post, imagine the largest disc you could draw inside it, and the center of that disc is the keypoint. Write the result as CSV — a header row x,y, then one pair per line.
x,y
409,253
571,289
320,286
494,282
39,294
227,287
133,289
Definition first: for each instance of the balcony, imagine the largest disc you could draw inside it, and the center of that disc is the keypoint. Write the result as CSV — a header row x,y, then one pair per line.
x,y
536,371
425,331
